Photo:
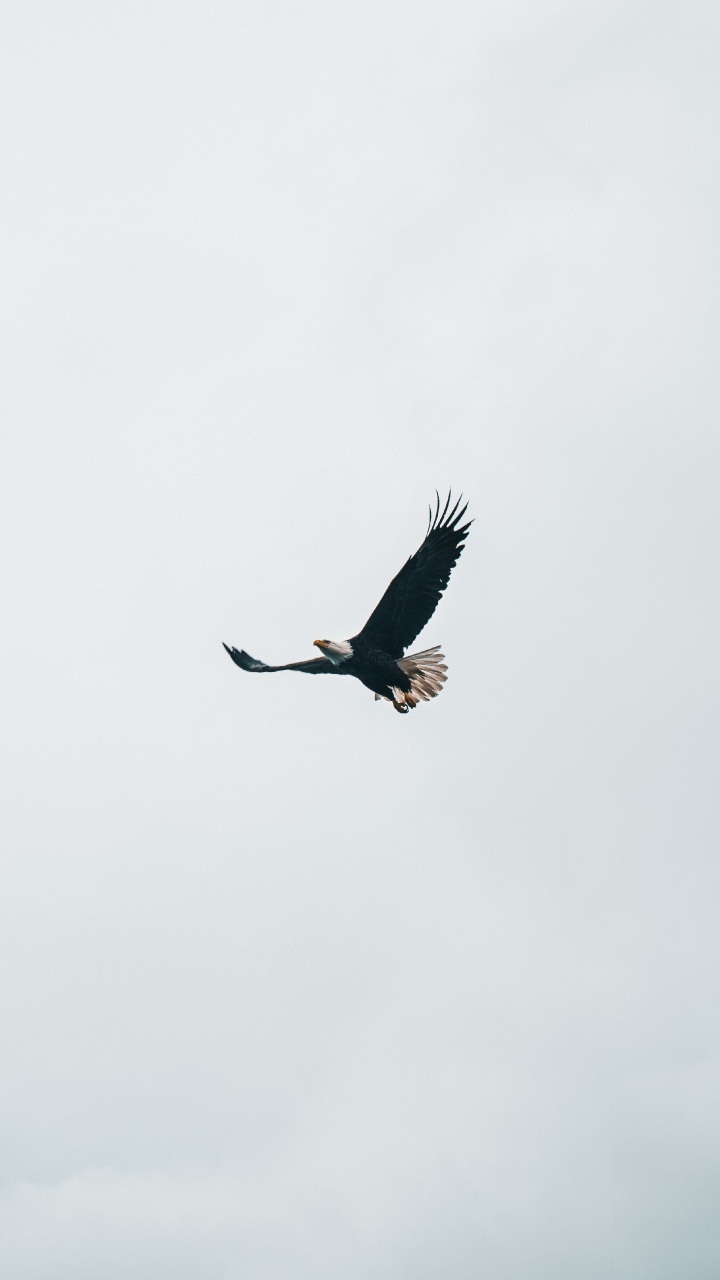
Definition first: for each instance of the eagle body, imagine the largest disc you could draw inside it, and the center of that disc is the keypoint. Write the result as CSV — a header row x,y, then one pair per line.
x,y
376,655
372,666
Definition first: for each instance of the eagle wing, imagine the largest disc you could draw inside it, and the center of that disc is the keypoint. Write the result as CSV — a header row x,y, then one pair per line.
x,y
315,666
414,593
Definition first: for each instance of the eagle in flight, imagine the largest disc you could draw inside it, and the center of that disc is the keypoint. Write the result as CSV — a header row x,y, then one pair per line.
x,y
375,656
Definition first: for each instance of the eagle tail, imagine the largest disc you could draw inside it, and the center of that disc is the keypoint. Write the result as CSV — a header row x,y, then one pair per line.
x,y
426,672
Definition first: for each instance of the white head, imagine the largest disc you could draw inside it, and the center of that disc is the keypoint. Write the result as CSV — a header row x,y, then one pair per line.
x,y
338,651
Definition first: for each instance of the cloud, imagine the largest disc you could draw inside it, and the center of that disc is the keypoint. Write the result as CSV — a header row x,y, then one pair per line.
x,y
295,987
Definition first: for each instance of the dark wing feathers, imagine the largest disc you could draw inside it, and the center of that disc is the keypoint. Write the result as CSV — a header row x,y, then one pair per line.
x,y
414,593
315,666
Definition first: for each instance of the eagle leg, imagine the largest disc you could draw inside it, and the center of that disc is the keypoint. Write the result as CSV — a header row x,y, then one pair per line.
x,y
401,701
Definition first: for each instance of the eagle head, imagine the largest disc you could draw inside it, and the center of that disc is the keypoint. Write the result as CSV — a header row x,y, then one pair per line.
x,y
337,651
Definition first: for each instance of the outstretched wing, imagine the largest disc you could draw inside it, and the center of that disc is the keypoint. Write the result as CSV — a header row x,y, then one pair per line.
x,y
413,595
315,666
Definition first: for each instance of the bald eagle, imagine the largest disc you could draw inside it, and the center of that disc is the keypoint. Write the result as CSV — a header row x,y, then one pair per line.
x,y
375,655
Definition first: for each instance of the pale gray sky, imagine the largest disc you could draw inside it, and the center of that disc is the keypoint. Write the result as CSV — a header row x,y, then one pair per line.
x,y
295,988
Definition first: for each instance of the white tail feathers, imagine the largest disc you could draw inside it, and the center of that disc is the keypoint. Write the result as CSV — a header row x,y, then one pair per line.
x,y
426,672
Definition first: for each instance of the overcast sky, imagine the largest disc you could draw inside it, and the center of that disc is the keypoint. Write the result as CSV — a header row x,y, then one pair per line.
x,y
295,988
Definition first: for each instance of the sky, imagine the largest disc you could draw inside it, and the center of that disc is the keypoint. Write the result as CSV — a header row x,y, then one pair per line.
x,y
293,987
